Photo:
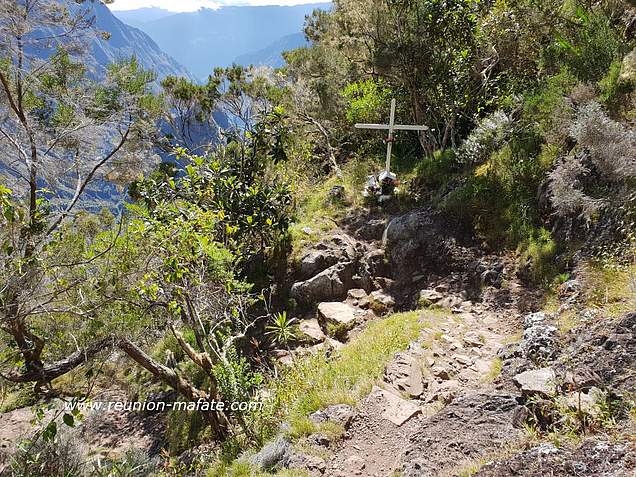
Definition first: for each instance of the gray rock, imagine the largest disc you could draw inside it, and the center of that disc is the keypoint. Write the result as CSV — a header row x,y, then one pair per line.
x,y
466,429
474,339
442,371
353,465
314,465
316,261
358,297
342,414
311,331
395,409
450,302
381,302
429,297
539,342
319,439
404,374
336,313
274,453
444,391
534,319
587,402
330,284
540,382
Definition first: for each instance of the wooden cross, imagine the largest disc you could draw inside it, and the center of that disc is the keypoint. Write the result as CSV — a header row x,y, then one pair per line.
x,y
391,127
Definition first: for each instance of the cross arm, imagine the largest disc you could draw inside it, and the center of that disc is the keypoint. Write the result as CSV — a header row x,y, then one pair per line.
x,y
405,127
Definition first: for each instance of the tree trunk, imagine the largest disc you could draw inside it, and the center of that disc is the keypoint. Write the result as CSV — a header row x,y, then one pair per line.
x,y
215,419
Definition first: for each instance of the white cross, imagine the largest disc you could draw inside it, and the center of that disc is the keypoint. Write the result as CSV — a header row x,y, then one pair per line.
x,y
391,127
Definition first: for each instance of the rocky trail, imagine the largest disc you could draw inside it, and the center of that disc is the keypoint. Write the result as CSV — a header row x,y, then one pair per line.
x,y
462,393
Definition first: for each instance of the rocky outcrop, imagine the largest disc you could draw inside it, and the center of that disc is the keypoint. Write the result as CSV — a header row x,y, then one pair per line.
x,y
333,267
594,457
468,428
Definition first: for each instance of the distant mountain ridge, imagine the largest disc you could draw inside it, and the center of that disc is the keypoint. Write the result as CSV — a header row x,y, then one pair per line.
x,y
271,55
140,16
126,41
208,38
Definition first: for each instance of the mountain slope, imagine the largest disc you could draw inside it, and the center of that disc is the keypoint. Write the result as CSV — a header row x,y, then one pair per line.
x,y
205,39
271,55
126,41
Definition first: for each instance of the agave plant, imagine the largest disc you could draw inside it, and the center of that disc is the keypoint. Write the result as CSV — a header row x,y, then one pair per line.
x,y
281,328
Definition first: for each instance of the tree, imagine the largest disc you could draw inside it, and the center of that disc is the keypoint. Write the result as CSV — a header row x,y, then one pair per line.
x,y
60,134
189,115
426,51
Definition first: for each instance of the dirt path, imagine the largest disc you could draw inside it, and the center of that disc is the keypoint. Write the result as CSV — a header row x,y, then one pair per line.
x,y
455,355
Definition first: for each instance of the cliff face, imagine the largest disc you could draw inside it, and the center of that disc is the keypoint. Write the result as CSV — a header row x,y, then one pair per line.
x,y
126,41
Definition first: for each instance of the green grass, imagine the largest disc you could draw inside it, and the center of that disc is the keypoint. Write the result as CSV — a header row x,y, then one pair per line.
x,y
320,213
496,366
15,397
610,287
244,469
317,382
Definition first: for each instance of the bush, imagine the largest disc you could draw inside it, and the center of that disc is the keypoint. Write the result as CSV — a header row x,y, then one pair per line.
x,y
58,457
588,49
537,258
598,175
486,138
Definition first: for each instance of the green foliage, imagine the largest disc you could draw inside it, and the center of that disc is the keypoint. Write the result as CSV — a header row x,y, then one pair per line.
x,y
281,328
537,257
589,48
236,381
614,88
238,207
367,100
184,430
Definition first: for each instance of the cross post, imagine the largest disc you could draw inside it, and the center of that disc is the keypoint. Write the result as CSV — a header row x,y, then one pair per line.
x,y
391,128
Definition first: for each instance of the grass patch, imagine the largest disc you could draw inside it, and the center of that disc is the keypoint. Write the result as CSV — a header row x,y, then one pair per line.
x,y
15,396
496,366
319,212
610,286
244,469
317,382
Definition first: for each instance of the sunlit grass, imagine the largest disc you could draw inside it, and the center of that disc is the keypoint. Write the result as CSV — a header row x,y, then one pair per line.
x,y
317,382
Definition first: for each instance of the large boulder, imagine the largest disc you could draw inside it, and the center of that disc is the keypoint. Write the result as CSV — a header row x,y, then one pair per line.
x,y
330,284
336,313
416,242
315,261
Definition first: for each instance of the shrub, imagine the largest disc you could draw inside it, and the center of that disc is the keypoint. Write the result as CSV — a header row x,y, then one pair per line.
x,y
537,257
56,457
486,138
599,174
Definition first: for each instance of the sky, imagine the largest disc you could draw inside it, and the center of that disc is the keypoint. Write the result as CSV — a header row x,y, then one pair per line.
x,y
193,5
